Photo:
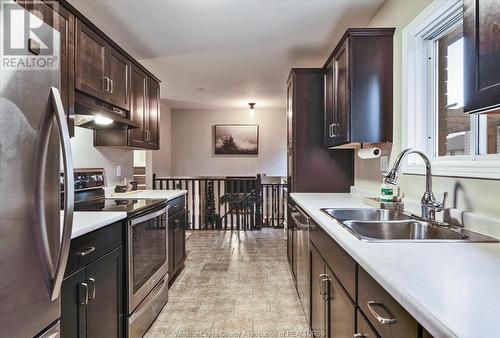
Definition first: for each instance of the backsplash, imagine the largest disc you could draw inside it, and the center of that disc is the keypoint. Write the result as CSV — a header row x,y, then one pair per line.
x,y
85,155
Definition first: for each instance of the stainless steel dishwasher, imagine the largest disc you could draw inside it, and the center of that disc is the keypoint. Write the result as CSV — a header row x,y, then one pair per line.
x,y
301,257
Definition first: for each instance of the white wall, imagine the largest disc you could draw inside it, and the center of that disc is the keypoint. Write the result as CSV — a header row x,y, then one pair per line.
x,y
480,196
85,155
193,143
158,161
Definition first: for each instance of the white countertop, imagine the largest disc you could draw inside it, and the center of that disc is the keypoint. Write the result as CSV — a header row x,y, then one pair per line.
x,y
87,221
452,289
145,194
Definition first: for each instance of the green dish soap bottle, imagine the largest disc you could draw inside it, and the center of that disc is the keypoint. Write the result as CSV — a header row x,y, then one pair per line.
x,y
387,192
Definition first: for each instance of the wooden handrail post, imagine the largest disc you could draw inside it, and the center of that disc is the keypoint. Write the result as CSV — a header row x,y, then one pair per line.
x,y
258,204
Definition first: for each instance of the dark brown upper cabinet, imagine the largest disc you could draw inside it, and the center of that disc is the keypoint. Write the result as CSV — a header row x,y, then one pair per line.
x,y
153,116
311,168
289,114
62,21
359,88
137,137
100,70
90,62
118,70
144,111
481,55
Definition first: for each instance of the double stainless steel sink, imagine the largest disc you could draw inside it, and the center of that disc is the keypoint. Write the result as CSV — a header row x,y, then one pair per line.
x,y
380,225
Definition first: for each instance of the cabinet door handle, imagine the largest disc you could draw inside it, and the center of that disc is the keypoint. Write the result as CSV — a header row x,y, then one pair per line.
x,y
382,320
111,86
322,289
358,335
325,286
108,84
85,251
91,284
83,294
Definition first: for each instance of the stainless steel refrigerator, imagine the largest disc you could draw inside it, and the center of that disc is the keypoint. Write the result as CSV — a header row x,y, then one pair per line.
x,y
34,143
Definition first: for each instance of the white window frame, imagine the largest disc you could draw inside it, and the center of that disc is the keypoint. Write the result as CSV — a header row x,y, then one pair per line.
x,y
419,114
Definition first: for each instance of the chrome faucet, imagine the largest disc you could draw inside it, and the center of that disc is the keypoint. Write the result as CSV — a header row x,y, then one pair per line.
x,y
428,202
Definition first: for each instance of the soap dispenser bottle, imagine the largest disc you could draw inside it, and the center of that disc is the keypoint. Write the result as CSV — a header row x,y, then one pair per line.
x,y
387,192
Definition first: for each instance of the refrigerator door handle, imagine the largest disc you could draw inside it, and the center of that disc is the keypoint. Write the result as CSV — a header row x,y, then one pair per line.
x,y
55,106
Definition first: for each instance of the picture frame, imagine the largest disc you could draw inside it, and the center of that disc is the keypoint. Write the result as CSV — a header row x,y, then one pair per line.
x,y
236,139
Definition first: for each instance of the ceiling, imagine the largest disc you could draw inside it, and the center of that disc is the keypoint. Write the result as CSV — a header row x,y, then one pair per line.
x,y
226,53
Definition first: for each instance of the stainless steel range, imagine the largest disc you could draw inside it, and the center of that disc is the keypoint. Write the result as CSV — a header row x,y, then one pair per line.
x,y
145,245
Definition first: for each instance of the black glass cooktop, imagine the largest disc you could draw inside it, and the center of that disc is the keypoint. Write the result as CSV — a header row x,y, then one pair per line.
x,y
131,207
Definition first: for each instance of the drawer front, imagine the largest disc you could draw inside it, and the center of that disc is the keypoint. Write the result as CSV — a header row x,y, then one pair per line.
x,y
177,220
364,328
91,246
176,204
379,306
343,266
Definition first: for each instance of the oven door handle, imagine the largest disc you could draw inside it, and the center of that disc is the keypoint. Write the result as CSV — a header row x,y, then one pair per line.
x,y
149,216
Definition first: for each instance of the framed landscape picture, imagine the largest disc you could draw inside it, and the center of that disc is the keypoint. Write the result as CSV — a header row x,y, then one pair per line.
x,y
236,139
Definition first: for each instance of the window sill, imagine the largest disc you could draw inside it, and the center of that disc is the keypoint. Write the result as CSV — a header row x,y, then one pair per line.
x,y
478,169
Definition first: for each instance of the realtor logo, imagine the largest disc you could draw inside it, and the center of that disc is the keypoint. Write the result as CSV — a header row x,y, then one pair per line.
x,y
27,42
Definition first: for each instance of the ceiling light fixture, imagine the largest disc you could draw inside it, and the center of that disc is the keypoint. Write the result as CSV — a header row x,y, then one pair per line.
x,y
252,109
103,121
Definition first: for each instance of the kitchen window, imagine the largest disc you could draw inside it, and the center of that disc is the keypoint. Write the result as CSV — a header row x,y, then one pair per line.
x,y
433,118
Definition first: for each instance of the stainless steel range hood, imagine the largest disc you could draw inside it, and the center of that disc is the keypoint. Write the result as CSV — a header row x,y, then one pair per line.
x,y
92,113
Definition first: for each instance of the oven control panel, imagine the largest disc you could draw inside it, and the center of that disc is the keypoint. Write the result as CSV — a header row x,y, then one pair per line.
x,y
86,179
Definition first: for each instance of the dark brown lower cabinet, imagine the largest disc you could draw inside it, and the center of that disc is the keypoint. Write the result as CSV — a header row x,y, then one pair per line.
x,y
363,327
180,239
105,307
385,314
73,308
345,301
332,310
92,299
176,243
341,310
289,239
318,313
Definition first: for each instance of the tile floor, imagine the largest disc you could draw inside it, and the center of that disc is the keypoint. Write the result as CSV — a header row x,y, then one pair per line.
x,y
235,284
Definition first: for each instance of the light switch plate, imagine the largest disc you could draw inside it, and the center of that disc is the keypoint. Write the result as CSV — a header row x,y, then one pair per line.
x,y
384,163
118,170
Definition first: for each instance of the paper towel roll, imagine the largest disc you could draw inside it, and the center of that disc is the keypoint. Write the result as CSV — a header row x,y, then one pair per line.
x,y
369,153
